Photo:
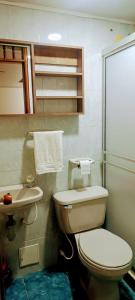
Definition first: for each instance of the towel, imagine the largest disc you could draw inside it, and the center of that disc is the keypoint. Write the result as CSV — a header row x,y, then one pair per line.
x,y
48,151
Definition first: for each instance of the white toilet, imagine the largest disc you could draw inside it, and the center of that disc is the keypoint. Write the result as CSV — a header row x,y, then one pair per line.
x,y
108,257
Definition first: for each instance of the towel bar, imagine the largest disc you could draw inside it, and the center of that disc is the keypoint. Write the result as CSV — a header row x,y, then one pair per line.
x,y
30,133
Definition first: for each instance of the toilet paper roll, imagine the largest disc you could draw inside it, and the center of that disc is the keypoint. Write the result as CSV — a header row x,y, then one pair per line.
x,y
85,166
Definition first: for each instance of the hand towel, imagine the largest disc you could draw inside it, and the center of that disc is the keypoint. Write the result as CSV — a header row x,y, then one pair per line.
x,y
48,151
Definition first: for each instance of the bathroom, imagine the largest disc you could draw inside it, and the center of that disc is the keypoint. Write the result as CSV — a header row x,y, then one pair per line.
x,y
82,135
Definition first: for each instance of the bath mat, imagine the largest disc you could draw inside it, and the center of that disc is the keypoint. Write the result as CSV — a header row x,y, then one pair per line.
x,y
40,286
51,286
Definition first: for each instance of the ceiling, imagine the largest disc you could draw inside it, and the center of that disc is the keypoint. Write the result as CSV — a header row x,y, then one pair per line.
x,y
109,9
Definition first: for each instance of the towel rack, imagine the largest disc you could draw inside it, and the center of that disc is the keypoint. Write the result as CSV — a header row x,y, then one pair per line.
x,y
30,133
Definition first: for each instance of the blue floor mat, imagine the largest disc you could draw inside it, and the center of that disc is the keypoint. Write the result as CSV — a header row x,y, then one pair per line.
x,y
40,286
52,286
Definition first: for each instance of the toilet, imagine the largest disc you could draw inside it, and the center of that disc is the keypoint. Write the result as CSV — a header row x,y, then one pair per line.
x,y
107,257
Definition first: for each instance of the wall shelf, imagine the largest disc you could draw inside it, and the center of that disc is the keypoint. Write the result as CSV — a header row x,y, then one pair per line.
x,y
52,77
15,78
58,70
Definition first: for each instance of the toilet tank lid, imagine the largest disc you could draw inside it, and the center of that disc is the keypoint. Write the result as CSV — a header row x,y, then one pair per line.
x,y
80,195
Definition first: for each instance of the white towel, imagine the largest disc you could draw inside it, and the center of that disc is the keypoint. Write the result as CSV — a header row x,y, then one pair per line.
x,y
48,151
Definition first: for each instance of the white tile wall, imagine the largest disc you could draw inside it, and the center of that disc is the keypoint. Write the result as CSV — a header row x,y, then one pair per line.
x,y
82,135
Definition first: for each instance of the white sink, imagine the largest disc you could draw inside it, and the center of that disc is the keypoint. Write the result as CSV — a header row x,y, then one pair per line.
x,y
21,196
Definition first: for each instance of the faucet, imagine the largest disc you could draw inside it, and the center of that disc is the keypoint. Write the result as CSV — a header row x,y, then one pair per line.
x,y
30,181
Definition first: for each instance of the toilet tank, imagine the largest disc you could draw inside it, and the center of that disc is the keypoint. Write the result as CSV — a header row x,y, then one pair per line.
x,y
81,209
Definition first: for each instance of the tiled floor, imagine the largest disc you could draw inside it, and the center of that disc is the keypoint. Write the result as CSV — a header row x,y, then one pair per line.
x,y
53,286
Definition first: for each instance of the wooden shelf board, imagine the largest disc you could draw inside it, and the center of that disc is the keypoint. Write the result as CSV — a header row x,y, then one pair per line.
x,y
11,60
57,74
57,113
58,97
56,61
56,51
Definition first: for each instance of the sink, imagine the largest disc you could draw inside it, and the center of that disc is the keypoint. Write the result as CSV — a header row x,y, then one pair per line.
x,y
21,196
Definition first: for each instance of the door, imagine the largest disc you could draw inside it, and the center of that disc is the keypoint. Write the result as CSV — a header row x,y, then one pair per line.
x,y
119,142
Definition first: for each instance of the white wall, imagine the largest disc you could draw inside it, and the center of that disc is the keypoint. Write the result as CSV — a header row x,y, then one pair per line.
x,y
82,135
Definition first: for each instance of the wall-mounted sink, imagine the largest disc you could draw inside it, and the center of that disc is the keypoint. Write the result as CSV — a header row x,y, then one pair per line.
x,y
21,196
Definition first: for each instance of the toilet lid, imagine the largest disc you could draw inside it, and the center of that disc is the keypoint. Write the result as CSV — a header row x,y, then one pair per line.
x,y
104,248
80,195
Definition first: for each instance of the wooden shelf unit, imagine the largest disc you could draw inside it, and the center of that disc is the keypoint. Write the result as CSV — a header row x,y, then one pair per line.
x,y
63,63
14,52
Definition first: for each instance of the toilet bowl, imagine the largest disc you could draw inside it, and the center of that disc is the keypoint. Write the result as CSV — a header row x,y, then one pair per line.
x,y
107,256
104,253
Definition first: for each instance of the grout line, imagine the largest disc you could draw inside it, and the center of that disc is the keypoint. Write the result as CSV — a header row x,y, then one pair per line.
x,y
25,289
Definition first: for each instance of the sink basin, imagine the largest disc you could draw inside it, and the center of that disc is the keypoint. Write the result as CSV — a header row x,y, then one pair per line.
x,y
21,196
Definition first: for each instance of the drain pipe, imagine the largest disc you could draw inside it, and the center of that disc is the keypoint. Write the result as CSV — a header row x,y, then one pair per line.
x,y
10,225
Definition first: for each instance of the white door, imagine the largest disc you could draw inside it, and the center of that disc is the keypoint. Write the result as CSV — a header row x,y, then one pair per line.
x,y
120,142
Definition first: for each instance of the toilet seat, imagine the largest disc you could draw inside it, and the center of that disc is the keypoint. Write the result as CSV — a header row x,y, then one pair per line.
x,y
104,250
